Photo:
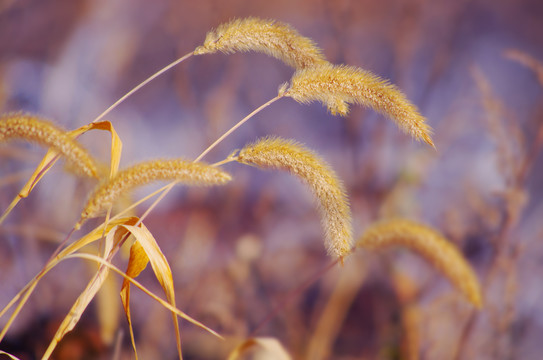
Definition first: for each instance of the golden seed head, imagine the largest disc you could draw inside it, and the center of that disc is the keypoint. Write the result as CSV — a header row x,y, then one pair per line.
x,y
337,85
277,153
270,37
428,243
35,129
186,172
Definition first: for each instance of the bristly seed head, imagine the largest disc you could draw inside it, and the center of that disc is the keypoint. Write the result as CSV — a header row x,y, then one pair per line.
x,y
336,85
35,129
186,172
428,243
266,36
277,153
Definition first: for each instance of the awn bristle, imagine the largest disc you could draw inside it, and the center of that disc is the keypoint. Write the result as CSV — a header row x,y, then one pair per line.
x,y
277,153
334,84
188,173
270,37
35,129
442,254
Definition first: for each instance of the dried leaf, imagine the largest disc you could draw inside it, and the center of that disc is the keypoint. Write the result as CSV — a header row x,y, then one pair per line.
x,y
86,295
25,293
11,356
160,266
107,308
134,282
52,156
136,264
261,348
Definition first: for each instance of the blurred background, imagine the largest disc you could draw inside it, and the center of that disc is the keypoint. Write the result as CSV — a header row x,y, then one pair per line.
x,y
474,69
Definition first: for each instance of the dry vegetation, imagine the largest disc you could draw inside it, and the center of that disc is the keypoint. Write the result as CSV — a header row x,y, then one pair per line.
x,y
236,254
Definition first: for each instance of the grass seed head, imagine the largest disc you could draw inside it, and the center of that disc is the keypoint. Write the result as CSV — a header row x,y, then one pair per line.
x,y
277,153
35,129
270,37
428,243
336,85
186,172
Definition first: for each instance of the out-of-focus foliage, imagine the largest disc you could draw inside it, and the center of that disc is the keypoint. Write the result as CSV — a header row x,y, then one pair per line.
x,y
239,252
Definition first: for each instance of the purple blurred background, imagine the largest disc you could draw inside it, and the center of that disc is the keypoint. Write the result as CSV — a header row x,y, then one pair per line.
x,y
69,60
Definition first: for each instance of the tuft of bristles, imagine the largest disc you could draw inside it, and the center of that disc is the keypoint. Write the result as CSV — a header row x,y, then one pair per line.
x,y
336,85
428,243
277,153
186,172
35,129
270,37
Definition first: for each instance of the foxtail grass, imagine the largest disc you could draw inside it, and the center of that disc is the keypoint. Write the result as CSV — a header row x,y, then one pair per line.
x,y
335,84
270,37
37,130
315,79
277,153
189,173
431,245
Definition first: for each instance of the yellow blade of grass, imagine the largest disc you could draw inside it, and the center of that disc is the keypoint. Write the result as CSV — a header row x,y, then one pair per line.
x,y
107,308
136,264
68,253
161,268
86,296
9,355
52,156
134,282
260,348
25,293
116,144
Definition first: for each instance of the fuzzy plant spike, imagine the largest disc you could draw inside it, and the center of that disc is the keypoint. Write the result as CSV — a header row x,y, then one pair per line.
x,y
37,130
186,172
428,243
270,37
277,153
335,84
